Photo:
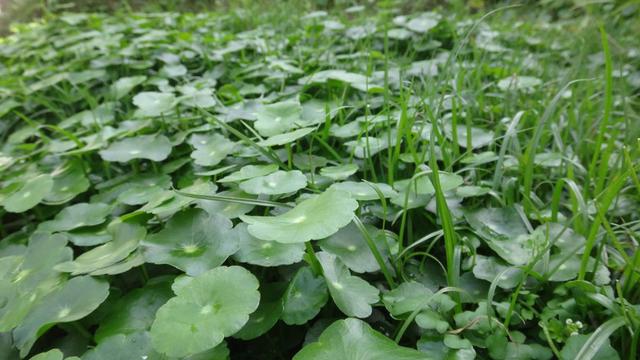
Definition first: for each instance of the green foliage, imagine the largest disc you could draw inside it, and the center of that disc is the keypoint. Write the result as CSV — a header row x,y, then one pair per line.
x,y
382,181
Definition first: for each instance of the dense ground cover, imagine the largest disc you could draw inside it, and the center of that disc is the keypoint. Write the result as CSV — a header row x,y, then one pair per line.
x,y
369,183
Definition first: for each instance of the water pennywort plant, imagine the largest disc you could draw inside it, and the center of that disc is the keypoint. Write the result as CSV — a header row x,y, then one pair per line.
x,y
298,182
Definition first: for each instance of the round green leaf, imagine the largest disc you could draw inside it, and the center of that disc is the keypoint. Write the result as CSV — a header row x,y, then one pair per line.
x,y
173,70
423,185
412,295
479,137
522,83
194,97
363,191
126,238
263,252
29,195
168,203
304,298
152,147
89,236
576,342
210,149
352,295
505,233
152,103
351,247
423,23
279,182
276,118
210,307
249,172
25,279
76,216
123,86
267,314
315,112
140,194
353,339
305,161
135,345
132,260
356,81
228,209
312,219
339,172
136,310
286,138
367,146
192,241
431,320
487,268
53,354
470,191
74,300
68,181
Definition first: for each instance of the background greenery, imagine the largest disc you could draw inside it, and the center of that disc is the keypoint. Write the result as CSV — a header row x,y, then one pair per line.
x,y
549,89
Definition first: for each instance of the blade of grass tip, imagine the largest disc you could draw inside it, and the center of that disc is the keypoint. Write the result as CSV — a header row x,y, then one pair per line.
x,y
422,240
609,194
509,134
454,128
630,275
599,337
383,201
545,329
530,152
232,199
492,290
577,194
634,343
453,56
375,252
402,128
244,138
312,259
450,236
608,107
629,163
405,210
327,147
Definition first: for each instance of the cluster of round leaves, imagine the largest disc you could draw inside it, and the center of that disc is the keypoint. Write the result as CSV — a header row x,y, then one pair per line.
x,y
272,220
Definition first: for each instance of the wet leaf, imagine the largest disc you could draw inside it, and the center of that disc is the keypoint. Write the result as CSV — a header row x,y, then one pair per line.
x,y
192,241
331,211
210,307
